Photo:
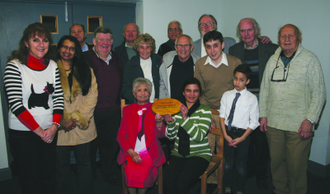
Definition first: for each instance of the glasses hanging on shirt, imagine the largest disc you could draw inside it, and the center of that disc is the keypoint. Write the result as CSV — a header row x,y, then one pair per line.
x,y
278,74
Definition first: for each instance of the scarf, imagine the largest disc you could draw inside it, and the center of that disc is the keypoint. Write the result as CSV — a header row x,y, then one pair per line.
x,y
184,139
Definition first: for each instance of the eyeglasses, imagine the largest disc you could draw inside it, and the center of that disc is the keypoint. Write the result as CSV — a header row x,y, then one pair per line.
x,y
183,45
277,76
210,23
174,29
66,47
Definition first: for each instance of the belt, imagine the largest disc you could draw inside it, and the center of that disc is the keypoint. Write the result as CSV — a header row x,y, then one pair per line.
x,y
235,129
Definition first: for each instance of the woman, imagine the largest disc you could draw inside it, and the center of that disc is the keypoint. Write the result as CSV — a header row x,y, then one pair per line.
x,y
80,98
146,64
35,100
138,135
189,128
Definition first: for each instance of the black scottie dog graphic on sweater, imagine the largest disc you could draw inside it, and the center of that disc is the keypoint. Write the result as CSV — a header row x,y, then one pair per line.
x,y
40,100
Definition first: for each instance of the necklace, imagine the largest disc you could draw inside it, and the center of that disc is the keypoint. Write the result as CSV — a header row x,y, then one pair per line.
x,y
68,69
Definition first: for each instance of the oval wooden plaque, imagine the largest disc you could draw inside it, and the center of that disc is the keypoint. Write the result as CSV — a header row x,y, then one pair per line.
x,y
166,105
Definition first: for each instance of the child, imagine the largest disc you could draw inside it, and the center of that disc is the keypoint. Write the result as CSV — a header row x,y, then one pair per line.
x,y
239,115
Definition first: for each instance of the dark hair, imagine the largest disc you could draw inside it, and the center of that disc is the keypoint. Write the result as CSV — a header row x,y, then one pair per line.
x,y
212,35
83,27
245,69
102,30
80,69
192,80
30,31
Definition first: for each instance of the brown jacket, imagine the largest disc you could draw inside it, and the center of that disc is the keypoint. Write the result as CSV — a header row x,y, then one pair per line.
x,y
80,108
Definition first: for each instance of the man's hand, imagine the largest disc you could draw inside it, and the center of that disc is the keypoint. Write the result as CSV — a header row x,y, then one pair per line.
x,y
265,39
263,124
305,129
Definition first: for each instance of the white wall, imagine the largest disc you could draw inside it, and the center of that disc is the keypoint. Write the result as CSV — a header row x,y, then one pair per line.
x,y
310,16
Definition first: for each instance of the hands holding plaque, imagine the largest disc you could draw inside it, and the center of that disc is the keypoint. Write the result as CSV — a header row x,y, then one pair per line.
x,y
166,106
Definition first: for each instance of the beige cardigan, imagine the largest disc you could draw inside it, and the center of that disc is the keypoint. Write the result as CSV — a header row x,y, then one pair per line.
x,y
80,108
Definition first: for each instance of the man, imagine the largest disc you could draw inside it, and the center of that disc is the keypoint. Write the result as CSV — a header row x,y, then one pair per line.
x,y
292,96
215,72
108,72
125,50
208,23
174,29
254,53
177,66
78,31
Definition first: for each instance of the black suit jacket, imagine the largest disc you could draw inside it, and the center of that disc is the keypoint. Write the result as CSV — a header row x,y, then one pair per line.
x,y
121,51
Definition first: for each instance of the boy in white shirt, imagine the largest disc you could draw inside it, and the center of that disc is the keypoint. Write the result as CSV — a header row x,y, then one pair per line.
x,y
239,115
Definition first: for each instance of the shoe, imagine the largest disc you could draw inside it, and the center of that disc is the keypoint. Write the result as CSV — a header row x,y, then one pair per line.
x,y
262,184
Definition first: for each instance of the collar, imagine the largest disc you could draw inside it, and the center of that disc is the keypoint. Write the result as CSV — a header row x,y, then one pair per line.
x,y
253,47
223,61
84,48
127,45
107,60
243,92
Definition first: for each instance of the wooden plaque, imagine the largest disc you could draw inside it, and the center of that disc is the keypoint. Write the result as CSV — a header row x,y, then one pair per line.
x,y
166,105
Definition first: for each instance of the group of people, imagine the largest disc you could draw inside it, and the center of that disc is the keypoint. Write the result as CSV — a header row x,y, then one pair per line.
x,y
69,99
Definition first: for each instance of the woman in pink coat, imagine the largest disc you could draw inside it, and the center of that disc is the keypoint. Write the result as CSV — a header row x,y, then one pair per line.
x,y
140,128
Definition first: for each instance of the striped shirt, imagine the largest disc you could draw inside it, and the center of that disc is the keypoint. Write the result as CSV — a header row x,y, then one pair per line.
x,y
197,127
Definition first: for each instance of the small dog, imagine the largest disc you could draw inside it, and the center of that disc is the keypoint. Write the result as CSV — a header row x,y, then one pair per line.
x,y
40,100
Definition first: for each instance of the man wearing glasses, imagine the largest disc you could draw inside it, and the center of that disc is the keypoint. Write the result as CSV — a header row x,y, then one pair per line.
x,y
177,66
292,96
254,53
174,29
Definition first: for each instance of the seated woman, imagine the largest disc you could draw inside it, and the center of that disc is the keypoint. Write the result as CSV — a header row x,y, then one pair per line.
x,y
146,64
78,128
140,150
191,154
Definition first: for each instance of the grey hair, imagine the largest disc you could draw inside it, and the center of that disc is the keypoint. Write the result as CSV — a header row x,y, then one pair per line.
x,y
103,30
255,25
175,21
137,28
139,81
211,16
190,39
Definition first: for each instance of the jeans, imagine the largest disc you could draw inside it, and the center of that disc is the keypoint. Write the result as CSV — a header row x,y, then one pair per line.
x,y
237,156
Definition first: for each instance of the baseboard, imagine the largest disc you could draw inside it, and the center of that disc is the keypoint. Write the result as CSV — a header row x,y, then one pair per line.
x,y
5,174
318,169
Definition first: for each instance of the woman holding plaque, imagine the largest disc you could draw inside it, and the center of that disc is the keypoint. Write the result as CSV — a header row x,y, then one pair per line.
x,y
191,154
145,64
140,151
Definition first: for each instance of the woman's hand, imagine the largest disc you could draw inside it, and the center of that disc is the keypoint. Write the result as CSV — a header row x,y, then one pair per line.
x,y
70,125
159,118
50,134
168,118
184,111
135,156
40,132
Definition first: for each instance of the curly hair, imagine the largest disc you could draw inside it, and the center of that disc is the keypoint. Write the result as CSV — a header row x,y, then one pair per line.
x,y
144,39
29,32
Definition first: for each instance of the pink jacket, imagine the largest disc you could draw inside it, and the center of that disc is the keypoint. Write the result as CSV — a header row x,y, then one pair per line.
x,y
128,130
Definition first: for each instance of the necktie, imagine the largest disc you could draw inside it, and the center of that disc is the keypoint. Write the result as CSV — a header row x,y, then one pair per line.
x,y
232,110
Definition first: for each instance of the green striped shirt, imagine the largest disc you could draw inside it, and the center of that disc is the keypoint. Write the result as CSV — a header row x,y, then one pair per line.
x,y
197,127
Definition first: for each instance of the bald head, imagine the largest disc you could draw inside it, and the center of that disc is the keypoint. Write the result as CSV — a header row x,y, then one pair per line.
x,y
131,32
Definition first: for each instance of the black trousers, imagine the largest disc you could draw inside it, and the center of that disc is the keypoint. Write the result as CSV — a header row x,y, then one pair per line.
x,y
258,159
183,173
84,170
35,161
107,125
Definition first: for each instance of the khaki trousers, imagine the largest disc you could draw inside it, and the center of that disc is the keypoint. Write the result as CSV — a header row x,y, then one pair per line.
x,y
288,161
